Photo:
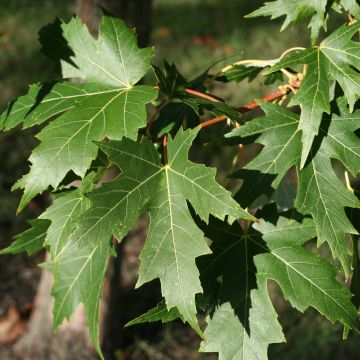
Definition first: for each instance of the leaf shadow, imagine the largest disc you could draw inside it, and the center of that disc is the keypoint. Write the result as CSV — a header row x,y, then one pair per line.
x,y
54,45
324,126
228,275
44,90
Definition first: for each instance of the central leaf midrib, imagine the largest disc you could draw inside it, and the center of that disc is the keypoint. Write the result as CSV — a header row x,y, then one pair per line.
x,y
166,169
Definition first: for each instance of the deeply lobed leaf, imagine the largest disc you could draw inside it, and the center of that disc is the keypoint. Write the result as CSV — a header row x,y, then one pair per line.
x,y
320,192
107,105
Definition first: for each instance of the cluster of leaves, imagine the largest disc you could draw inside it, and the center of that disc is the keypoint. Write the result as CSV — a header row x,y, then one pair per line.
x,y
99,121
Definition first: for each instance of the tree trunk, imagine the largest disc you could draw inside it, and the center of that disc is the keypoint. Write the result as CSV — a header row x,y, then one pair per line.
x,y
70,342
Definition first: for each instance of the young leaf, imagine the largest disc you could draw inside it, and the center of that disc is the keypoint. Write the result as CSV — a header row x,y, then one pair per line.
x,y
240,72
170,80
107,105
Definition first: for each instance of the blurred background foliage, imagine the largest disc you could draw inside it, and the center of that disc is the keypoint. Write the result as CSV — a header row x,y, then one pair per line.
x,y
194,34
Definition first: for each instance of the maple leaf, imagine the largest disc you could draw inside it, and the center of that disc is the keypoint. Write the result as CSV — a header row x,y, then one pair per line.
x,y
244,323
320,192
240,72
106,105
280,136
352,7
63,213
173,242
79,276
239,325
295,11
31,240
158,313
317,181
336,58
88,266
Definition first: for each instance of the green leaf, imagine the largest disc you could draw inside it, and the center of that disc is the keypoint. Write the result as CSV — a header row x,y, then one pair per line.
x,y
106,106
170,81
355,279
31,240
305,279
80,274
295,11
280,137
173,240
340,142
63,214
172,117
313,97
352,6
255,184
67,143
320,192
240,72
336,58
42,102
226,334
343,60
159,313
298,231
244,322
113,59
322,195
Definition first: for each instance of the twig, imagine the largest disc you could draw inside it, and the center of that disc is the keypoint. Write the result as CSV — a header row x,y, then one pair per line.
x,y
202,95
290,50
247,107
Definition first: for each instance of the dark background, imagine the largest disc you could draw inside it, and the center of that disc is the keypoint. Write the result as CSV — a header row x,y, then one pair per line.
x,y
194,34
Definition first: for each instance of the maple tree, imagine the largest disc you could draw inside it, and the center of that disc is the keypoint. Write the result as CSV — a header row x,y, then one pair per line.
x,y
100,122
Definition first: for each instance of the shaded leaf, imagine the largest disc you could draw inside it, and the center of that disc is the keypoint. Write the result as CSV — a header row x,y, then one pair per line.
x,y
31,240
159,313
